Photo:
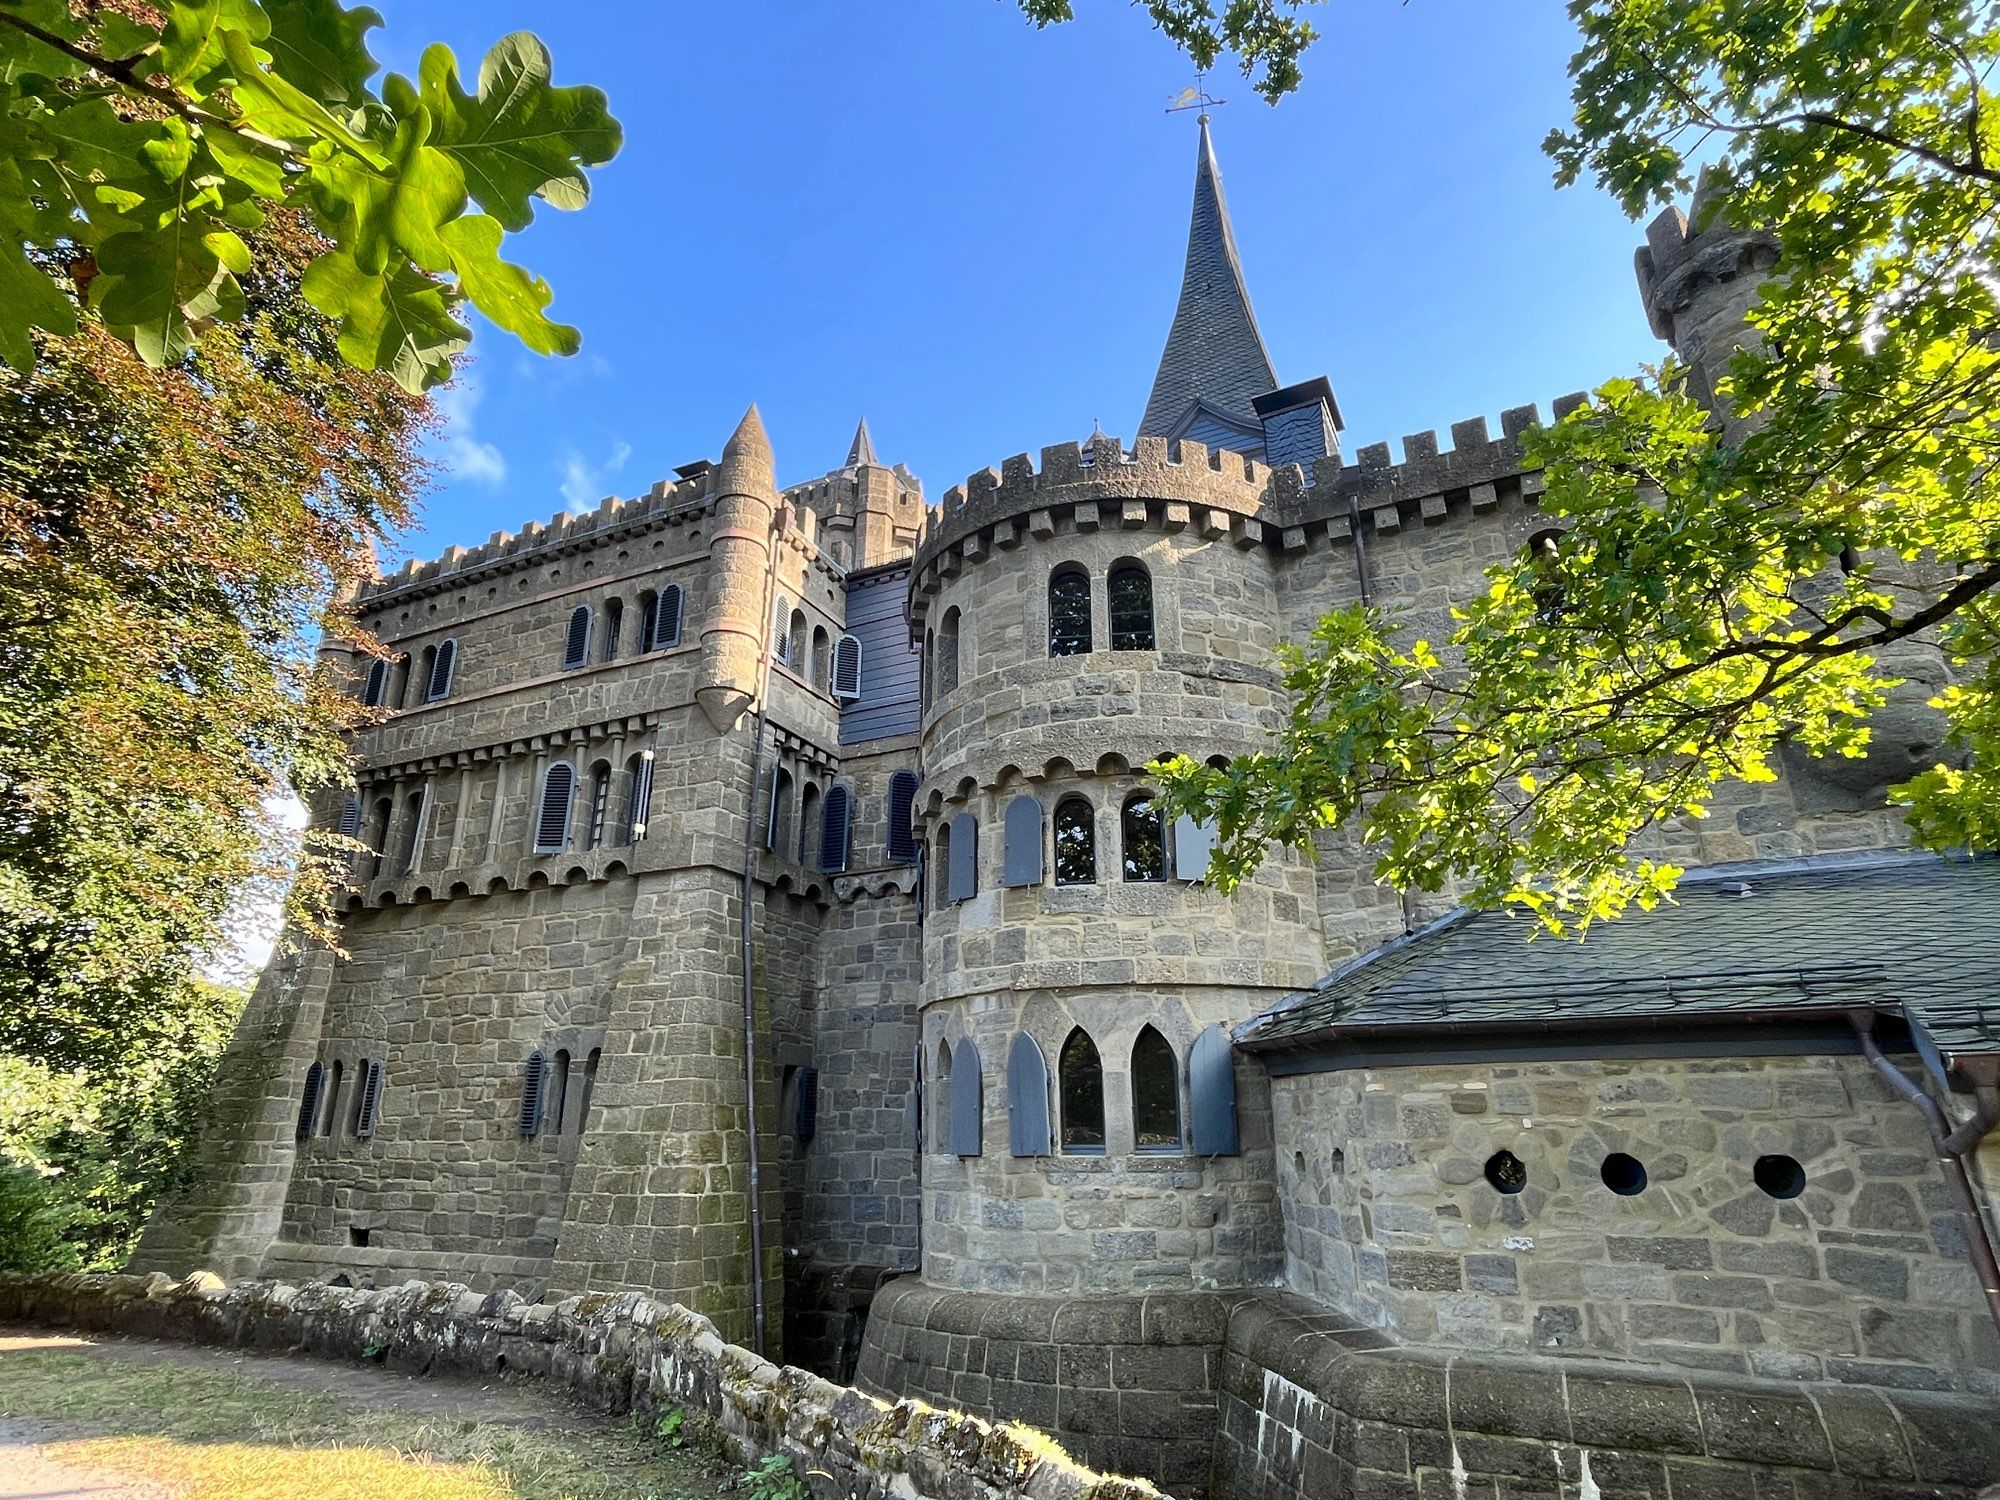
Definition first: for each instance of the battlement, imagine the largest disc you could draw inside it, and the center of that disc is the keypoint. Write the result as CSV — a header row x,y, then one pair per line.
x,y
563,533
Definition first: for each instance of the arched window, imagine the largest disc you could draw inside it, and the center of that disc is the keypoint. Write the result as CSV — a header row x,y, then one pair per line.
x,y
834,827
1028,1131
1131,608
847,668
368,1098
1544,557
795,649
329,1120
309,1101
533,1077
1080,1075
614,626
822,655
439,681
589,1088
1076,842
808,825
399,681
552,817
947,652
380,826
1069,612
1145,841
420,679
902,810
1021,842
649,618
964,871
941,849
666,629
967,1098
941,1114
377,689
778,818
1156,1093
926,671
638,795
410,839
558,1092
600,803
1212,1094
576,640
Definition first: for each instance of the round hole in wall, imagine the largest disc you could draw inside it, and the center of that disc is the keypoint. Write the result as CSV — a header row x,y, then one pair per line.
x,y
1624,1175
1505,1171
1780,1176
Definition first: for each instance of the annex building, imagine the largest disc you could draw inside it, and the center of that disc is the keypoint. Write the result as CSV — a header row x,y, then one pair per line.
x,y
766,907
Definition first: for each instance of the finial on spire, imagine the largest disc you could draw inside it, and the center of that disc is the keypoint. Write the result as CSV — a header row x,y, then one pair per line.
x,y
1196,96
862,449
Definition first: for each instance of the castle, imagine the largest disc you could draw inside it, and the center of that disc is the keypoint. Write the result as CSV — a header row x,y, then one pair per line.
x,y
767,908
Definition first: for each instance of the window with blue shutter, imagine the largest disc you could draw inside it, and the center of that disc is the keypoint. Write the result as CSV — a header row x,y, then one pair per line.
x,y
378,683
805,1123
847,669
1212,1095
781,641
1193,844
1021,858
835,825
667,618
532,1077
1028,1132
576,641
552,818
350,817
441,669
967,1098
902,815
309,1101
371,1098
962,879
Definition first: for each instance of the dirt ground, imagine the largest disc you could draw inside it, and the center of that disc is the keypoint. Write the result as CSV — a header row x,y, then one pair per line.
x,y
117,1419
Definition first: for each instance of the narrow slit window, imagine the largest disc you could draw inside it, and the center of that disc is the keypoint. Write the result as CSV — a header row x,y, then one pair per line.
x,y
614,626
947,653
558,1092
778,819
589,1088
1081,1073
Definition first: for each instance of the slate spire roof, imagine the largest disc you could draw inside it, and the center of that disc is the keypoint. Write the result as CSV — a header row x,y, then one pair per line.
x,y
1214,352
862,450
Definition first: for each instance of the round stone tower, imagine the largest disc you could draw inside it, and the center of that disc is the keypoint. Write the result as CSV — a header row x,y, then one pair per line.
x,y
746,497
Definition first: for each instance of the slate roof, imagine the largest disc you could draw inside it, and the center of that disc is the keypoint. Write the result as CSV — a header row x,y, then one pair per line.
x,y
862,449
1812,938
1214,352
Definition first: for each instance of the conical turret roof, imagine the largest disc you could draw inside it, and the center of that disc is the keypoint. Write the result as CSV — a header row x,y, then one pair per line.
x,y
1214,353
862,450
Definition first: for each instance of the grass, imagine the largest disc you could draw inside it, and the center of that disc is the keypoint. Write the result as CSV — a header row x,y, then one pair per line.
x,y
209,1434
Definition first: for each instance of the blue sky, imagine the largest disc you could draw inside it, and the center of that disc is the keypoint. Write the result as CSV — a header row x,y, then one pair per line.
x,y
971,231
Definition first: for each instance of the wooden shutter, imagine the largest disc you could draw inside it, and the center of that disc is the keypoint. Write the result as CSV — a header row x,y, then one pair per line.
x,y
1212,1094
781,619
835,826
371,1097
667,617
967,1098
378,683
309,1101
440,683
847,668
350,817
532,1079
576,644
902,808
1021,855
1193,844
1028,1132
552,819
642,798
962,875
805,1122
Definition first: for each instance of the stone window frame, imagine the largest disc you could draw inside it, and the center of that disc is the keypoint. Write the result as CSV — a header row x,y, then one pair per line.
x,y
1124,567
1058,573
1172,1062
1068,799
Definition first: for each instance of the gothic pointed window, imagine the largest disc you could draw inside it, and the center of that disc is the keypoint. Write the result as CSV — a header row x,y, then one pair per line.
x,y
1145,839
1080,1074
576,639
1069,612
1131,592
1156,1094
552,817
1076,842
902,811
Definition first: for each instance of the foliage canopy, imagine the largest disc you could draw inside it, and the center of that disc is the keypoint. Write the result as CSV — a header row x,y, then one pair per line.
x,y
139,143
1735,580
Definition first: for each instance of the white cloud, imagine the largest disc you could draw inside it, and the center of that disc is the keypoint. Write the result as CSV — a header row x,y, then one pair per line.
x,y
464,453
583,481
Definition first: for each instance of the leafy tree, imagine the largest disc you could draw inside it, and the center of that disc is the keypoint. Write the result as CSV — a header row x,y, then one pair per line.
x,y
1731,578
1267,36
140,142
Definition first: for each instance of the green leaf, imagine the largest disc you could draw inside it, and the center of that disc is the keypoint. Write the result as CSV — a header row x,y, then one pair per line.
x,y
276,107
519,138
195,38
152,287
28,299
24,56
506,293
321,47
400,321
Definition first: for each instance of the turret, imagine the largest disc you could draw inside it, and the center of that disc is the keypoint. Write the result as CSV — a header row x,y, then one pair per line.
x,y
1699,277
746,498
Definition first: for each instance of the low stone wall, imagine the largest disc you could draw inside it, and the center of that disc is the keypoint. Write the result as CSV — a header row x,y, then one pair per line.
x,y
1266,1396
619,1353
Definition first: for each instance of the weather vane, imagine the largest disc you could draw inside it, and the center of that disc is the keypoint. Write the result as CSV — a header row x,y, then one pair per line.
x,y
1195,96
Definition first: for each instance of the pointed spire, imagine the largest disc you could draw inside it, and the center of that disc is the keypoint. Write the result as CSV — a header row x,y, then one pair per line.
x,y
862,450
747,466
1214,352
748,441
